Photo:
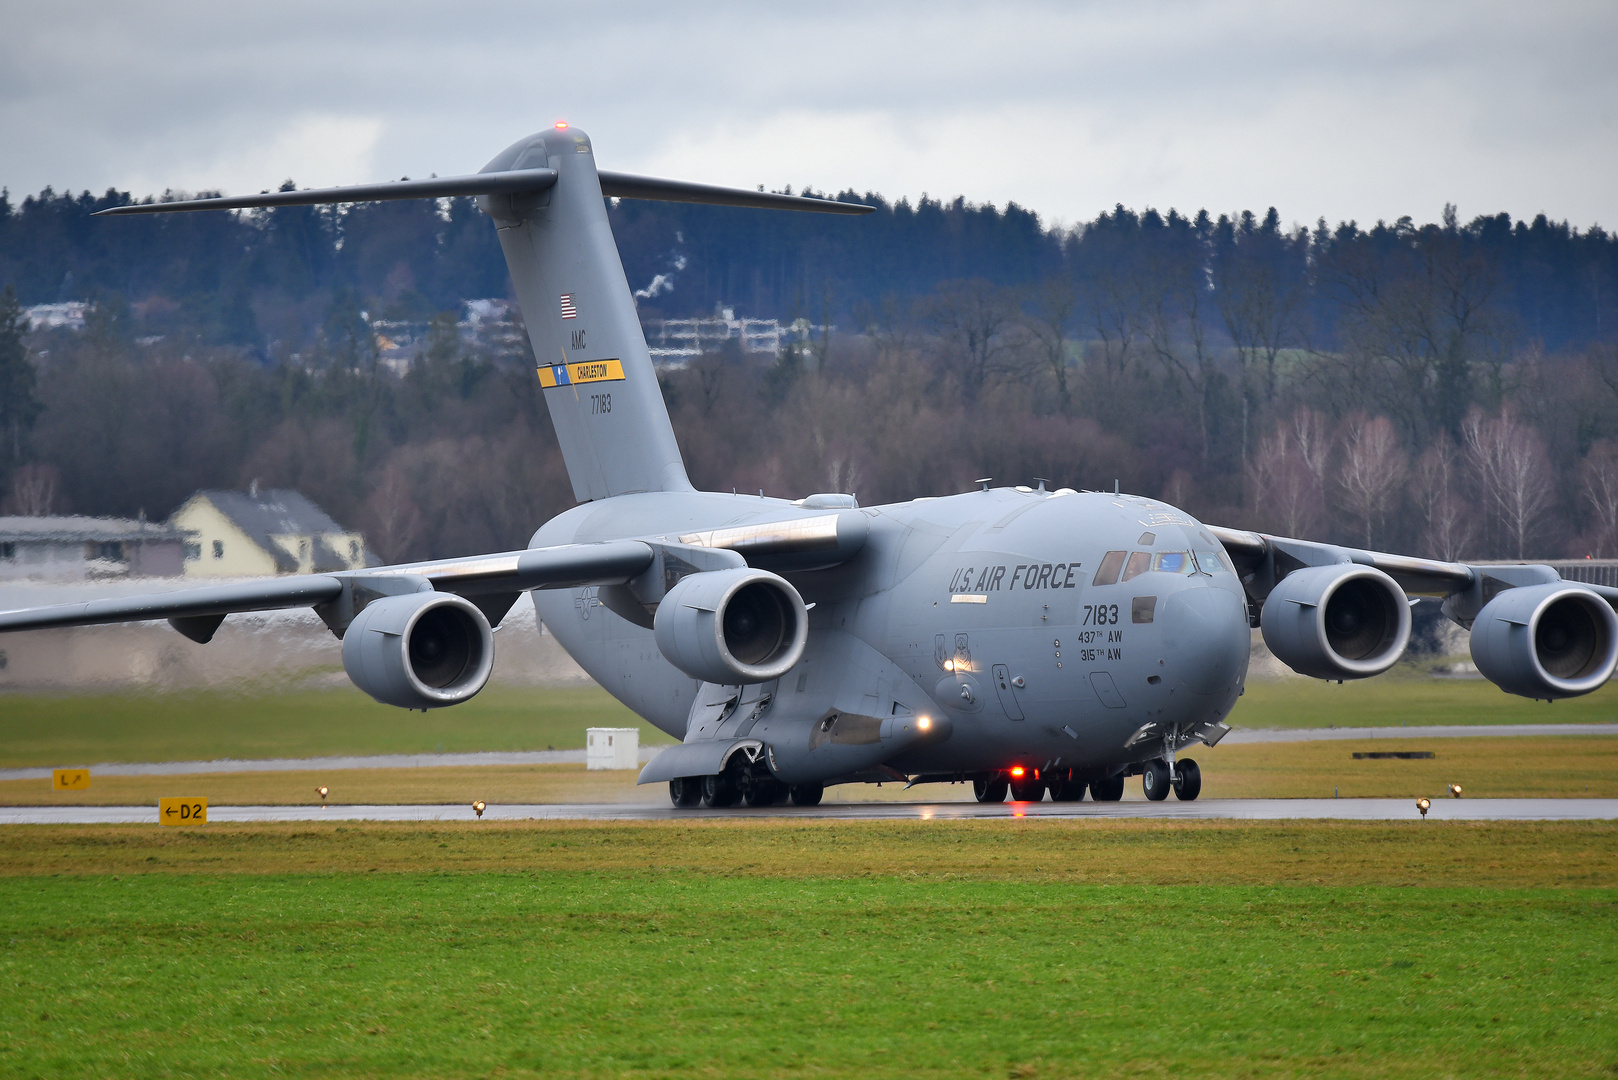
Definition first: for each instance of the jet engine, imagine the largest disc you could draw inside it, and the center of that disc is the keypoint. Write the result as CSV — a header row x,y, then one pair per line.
x,y
419,651
1342,621
1546,641
732,626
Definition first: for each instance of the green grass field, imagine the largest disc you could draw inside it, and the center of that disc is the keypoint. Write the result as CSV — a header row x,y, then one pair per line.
x,y
1008,949
42,730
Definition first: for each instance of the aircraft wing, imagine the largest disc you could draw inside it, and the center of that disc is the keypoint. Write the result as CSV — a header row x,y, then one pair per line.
x,y
1266,556
1262,561
507,574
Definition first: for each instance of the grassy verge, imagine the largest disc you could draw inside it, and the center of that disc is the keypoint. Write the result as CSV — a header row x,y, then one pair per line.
x,y
1515,767
1408,696
1031,949
42,729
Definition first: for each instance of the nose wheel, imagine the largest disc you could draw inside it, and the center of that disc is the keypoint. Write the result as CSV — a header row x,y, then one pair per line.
x,y
1187,779
1155,779
1158,778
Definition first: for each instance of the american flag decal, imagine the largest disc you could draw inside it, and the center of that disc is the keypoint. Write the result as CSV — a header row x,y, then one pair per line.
x,y
570,310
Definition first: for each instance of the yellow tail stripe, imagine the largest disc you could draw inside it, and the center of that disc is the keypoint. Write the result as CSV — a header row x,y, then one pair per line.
x,y
587,371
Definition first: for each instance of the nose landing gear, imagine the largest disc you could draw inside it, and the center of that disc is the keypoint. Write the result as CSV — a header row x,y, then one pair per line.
x,y
1187,779
1158,777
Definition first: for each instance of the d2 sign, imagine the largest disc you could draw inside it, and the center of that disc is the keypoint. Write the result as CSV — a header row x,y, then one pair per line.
x,y
189,810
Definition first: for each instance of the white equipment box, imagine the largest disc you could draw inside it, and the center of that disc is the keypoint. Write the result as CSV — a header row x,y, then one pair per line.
x,y
611,748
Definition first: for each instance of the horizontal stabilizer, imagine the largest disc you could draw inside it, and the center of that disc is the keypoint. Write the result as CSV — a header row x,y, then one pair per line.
x,y
437,187
615,185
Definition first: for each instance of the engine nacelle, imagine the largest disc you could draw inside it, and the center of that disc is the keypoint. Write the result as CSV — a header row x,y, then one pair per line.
x,y
732,626
1342,621
1546,641
419,651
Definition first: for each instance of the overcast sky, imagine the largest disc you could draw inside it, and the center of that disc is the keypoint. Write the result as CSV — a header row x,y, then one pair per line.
x,y
1365,111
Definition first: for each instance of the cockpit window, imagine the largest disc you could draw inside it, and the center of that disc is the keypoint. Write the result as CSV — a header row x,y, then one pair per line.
x,y
1211,562
1107,572
1139,563
1174,562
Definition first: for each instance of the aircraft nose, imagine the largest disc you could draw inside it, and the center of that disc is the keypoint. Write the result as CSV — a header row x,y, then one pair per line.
x,y
1206,637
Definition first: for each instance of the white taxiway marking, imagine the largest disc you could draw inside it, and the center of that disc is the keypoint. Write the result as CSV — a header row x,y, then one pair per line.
x,y
1239,809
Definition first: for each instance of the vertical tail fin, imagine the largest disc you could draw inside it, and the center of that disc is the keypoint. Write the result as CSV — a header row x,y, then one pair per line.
x,y
545,196
603,395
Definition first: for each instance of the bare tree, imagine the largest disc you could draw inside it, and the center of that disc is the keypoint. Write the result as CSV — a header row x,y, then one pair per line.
x,y
1176,329
1116,286
1416,316
33,490
1513,474
1599,481
1312,437
1371,470
392,520
1054,302
1258,286
1449,519
1287,492
978,321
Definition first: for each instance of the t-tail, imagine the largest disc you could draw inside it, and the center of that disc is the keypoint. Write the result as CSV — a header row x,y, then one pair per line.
x,y
546,198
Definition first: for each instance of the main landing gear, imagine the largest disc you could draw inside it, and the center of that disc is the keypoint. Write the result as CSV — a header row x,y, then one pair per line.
x,y
740,786
1158,779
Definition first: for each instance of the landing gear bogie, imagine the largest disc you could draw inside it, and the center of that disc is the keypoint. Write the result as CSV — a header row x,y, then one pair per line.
x,y
1065,788
807,794
1107,789
991,790
720,790
1027,788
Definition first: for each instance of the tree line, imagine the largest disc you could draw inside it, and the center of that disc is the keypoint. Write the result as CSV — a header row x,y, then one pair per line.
x,y
1381,386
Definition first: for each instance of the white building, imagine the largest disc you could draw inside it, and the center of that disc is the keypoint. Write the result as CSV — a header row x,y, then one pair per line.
x,y
72,548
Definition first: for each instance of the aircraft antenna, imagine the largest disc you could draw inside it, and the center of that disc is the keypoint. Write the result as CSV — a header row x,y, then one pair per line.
x,y
984,480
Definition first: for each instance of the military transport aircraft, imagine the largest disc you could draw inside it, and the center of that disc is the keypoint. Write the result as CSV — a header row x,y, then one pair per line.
x,y
1020,638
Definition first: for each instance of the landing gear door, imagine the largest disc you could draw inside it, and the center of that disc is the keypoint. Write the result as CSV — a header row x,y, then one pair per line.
x,y
1006,693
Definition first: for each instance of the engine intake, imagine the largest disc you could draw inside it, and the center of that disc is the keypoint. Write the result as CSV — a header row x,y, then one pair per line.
x,y
1546,641
420,651
732,626
1342,621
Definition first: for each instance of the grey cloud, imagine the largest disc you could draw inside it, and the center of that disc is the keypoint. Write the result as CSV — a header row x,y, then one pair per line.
x,y
1362,111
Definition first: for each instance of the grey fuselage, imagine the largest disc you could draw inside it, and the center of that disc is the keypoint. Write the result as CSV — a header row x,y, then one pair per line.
x,y
936,615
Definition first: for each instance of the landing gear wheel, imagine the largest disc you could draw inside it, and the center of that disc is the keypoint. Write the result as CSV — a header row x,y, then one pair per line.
x,y
1067,789
1027,789
1110,789
1187,779
685,791
807,794
1154,778
721,790
763,791
990,790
